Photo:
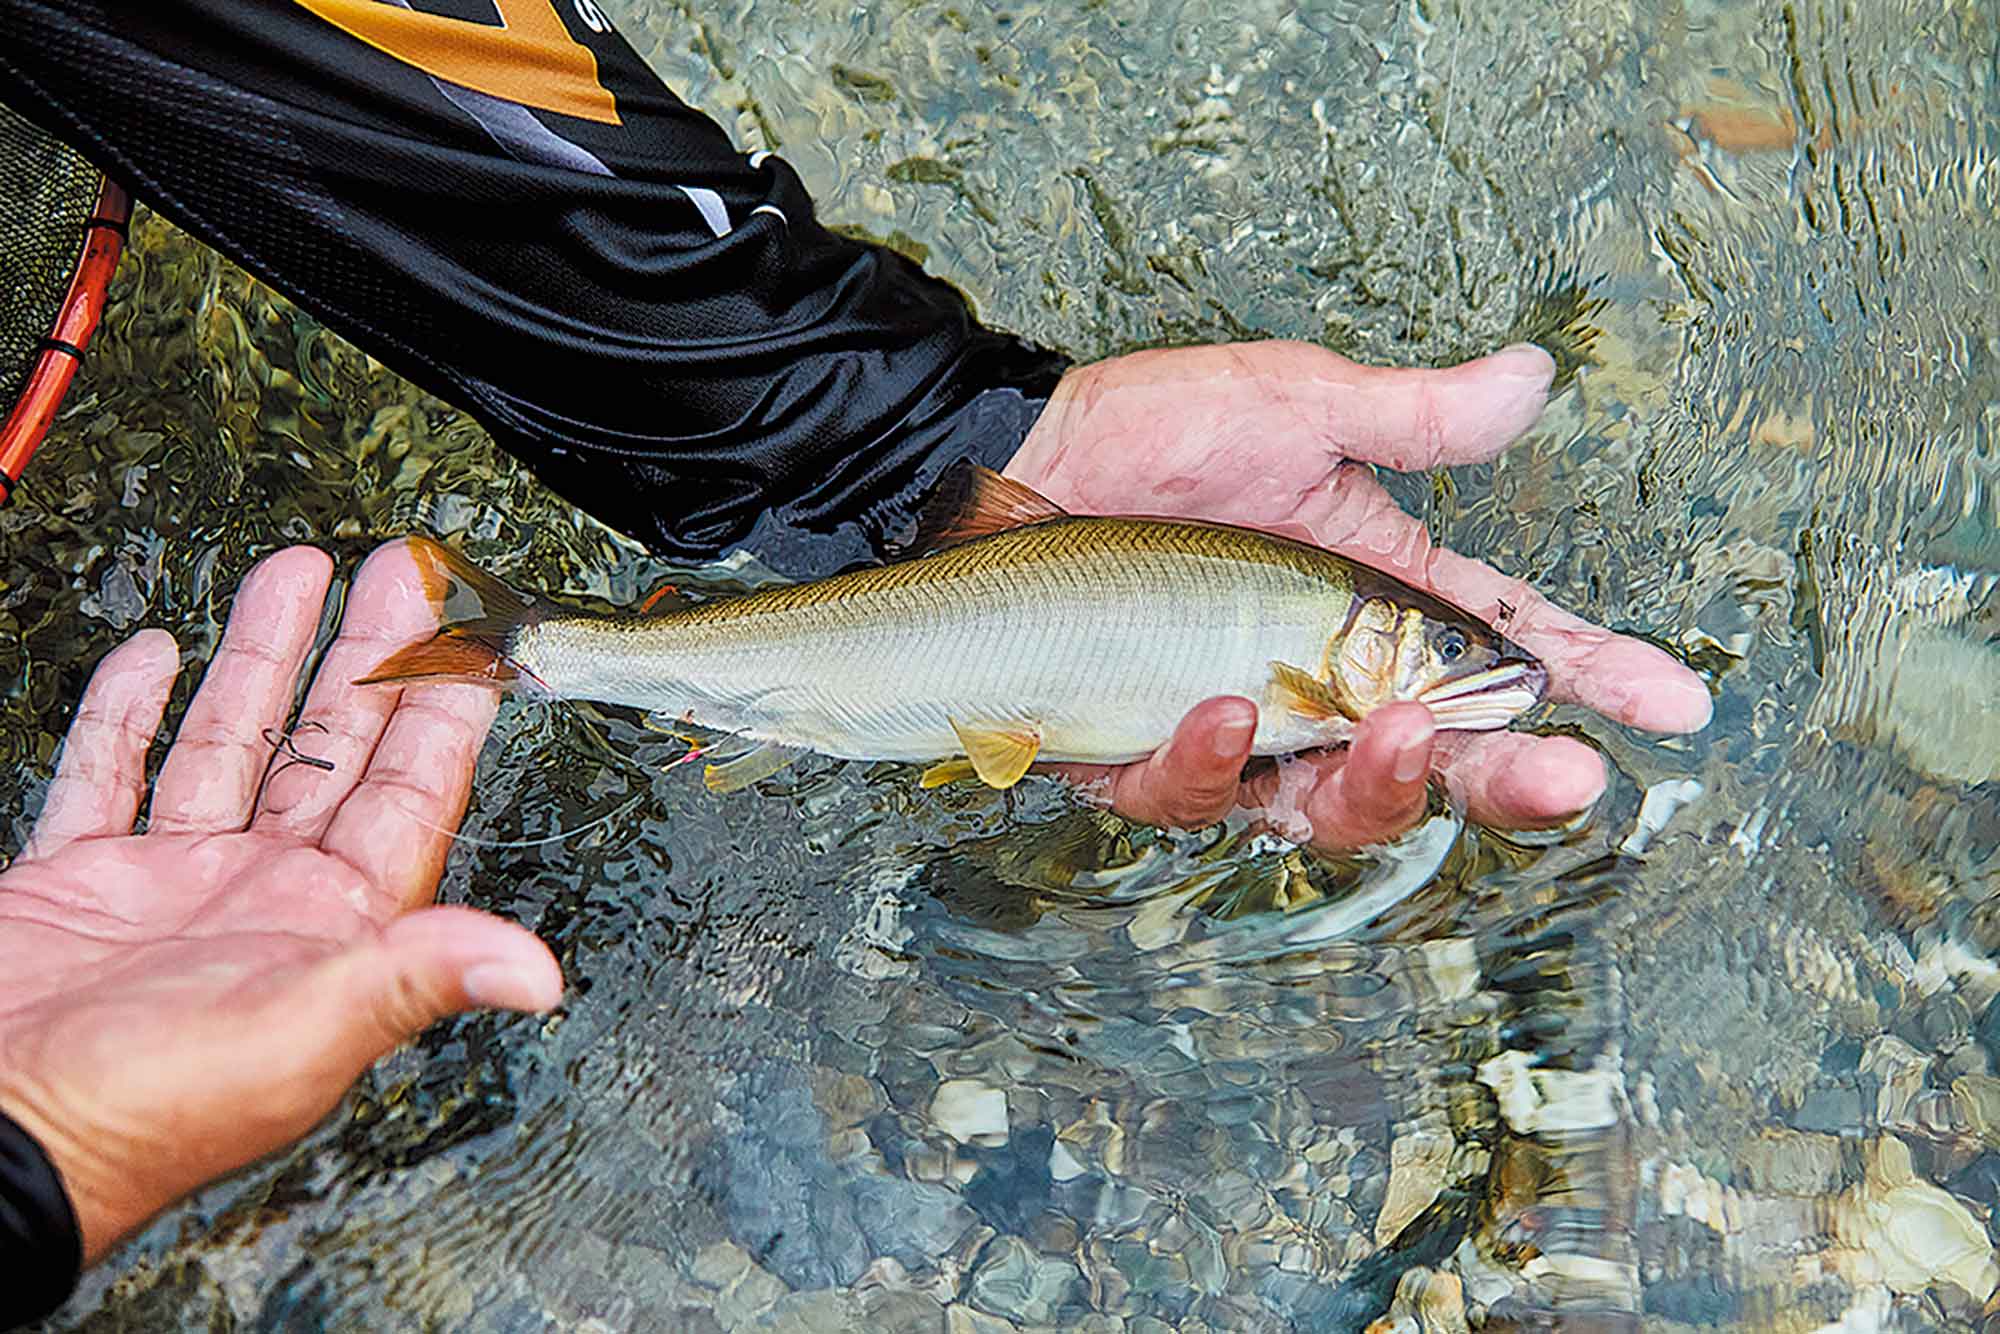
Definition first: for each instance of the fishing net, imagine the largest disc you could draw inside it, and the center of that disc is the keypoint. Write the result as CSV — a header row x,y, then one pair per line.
x,y
61,231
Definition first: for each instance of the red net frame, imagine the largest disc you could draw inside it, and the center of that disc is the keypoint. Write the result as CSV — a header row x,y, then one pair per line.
x,y
63,346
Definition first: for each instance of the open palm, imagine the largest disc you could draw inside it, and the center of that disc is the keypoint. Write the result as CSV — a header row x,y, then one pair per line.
x,y
1282,436
174,1004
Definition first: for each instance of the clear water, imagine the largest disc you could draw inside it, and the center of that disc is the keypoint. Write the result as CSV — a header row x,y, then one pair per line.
x,y
1715,1059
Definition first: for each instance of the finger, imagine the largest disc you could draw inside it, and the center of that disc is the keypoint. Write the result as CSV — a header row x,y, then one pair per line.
x,y
1412,420
341,723
1620,677
1191,781
1512,781
101,777
396,826
1375,792
428,965
219,756
349,1010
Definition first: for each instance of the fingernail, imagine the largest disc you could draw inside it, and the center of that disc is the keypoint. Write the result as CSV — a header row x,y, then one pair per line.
x,y
506,986
1413,760
1232,737
1526,361
1694,706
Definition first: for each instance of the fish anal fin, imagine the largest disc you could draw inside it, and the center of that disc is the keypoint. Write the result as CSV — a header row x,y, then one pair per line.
x,y
999,755
970,501
753,765
947,771
1305,694
463,653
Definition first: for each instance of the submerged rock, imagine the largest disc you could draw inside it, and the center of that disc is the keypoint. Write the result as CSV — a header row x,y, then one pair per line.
x,y
1016,1283
1426,1302
810,1220
1909,1234
1417,1164
970,1111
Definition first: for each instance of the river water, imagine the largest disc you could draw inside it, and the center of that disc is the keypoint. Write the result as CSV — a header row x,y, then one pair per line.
x,y
839,1053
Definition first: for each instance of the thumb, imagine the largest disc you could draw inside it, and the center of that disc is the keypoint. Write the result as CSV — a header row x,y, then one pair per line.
x,y
1380,792
429,965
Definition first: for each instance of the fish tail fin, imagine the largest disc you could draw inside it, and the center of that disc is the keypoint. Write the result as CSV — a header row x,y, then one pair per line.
x,y
480,617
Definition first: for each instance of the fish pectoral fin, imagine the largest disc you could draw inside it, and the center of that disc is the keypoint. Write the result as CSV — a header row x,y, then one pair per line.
x,y
753,765
999,755
947,771
1305,694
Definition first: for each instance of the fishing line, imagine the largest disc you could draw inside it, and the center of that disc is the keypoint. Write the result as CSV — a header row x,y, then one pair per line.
x,y
1437,172
478,842
282,744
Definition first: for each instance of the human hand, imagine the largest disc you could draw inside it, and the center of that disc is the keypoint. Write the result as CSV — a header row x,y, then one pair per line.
x,y
177,1003
1277,435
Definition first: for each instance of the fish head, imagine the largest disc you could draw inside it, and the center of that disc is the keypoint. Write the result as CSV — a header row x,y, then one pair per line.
x,y
1408,645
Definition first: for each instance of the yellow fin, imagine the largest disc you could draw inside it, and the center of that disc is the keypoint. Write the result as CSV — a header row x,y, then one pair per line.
x,y
752,766
1303,693
948,771
998,756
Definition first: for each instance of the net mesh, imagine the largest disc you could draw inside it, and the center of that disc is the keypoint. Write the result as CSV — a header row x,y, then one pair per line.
x,y
46,194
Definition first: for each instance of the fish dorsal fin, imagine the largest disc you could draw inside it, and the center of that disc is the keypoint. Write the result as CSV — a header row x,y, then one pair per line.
x,y
751,766
1305,694
999,755
971,501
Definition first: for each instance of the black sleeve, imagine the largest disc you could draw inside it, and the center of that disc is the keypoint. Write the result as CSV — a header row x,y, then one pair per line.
x,y
520,217
41,1252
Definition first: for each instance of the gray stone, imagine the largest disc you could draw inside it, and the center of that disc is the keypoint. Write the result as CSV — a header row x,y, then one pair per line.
x,y
901,1311
849,1100
1832,1109
965,1320
719,1264
814,1222
827,1311
749,1297
1016,1283
911,1220
1148,1272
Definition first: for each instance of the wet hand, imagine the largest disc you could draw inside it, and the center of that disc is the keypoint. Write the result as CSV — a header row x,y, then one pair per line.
x,y
177,1003
1279,435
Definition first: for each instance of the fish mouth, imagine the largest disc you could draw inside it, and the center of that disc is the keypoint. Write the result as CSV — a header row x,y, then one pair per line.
x,y
1491,698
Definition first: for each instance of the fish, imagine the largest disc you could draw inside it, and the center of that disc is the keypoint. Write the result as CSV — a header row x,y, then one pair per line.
x,y
1012,633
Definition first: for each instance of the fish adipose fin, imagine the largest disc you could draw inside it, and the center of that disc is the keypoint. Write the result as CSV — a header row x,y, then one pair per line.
x,y
1305,694
480,616
970,501
998,755
752,766
665,598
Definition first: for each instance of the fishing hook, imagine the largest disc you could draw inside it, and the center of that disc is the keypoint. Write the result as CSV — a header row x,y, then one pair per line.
x,y
282,744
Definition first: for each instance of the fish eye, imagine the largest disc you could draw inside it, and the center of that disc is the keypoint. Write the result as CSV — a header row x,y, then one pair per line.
x,y
1452,647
